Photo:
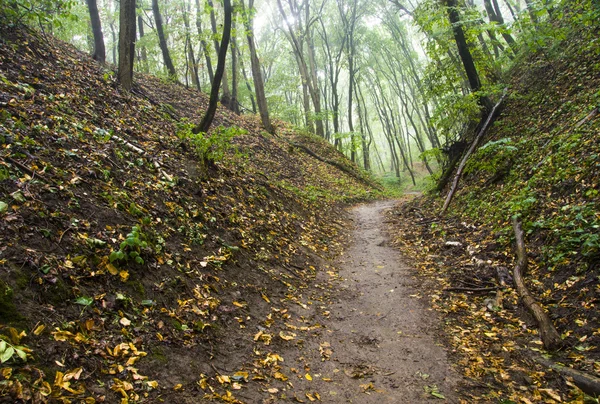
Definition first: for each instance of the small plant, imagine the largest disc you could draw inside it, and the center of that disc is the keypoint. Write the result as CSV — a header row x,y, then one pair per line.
x,y
131,247
210,148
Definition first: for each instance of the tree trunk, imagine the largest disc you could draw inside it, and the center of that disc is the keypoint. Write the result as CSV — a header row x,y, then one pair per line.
x,y
143,51
214,92
99,50
465,53
226,94
233,102
248,86
203,43
162,41
127,21
259,86
190,49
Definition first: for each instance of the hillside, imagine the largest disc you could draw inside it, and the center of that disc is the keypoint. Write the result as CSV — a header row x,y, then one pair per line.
x,y
540,163
130,269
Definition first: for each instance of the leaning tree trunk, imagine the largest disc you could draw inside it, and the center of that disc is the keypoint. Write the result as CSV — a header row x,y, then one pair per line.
x,y
99,49
214,92
127,22
162,41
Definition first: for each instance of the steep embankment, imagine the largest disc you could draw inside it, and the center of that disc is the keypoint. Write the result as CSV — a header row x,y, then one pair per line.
x,y
540,161
129,269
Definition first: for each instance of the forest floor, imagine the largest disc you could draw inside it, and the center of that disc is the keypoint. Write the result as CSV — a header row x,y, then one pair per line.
x,y
379,341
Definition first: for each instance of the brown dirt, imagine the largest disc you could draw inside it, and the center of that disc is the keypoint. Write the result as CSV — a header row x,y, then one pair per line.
x,y
377,341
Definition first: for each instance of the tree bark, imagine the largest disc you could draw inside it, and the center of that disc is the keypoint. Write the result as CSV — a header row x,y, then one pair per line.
x,y
127,21
257,78
226,94
99,49
465,53
162,41
214,92
548,333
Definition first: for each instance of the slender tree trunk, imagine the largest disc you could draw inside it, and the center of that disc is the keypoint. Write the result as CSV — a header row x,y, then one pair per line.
x,y
214,92
162,41
203,43
127,21
99,50
233,102
248,86
115,45
226,94
259,86
190,49
143,51
465,53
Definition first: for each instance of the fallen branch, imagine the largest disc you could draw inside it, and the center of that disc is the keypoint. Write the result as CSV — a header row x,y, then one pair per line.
x,y
474,290
588,383
142,152
548,334
590,116
472,148
26,170
337,165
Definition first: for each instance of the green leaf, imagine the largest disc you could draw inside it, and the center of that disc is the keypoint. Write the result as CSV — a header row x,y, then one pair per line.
x,y
139,260
3,207
6,354
2,345
148,303
21,354
84,300
437,395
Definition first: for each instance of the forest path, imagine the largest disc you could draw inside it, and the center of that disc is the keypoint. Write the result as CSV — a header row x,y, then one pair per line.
x,y
369,336
382,327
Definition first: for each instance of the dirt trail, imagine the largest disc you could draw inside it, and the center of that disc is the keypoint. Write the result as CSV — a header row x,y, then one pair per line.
x,y
382,322
375,343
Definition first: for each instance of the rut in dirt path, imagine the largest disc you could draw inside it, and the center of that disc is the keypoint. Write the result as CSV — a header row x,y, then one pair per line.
x,y
384,335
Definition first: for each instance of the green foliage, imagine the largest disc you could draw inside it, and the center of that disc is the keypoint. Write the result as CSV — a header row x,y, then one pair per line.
x,y
492,157
213,147
35,11
10,351
132,247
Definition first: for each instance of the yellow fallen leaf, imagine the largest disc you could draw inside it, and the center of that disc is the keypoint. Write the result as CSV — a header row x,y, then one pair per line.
x,y
308,377
124,275
238,304
223,379
287,337
178,386
125,321
39,329
273,390
265,298
113,270
280,376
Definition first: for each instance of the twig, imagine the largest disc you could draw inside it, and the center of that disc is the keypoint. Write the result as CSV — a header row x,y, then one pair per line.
x,y
26,170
